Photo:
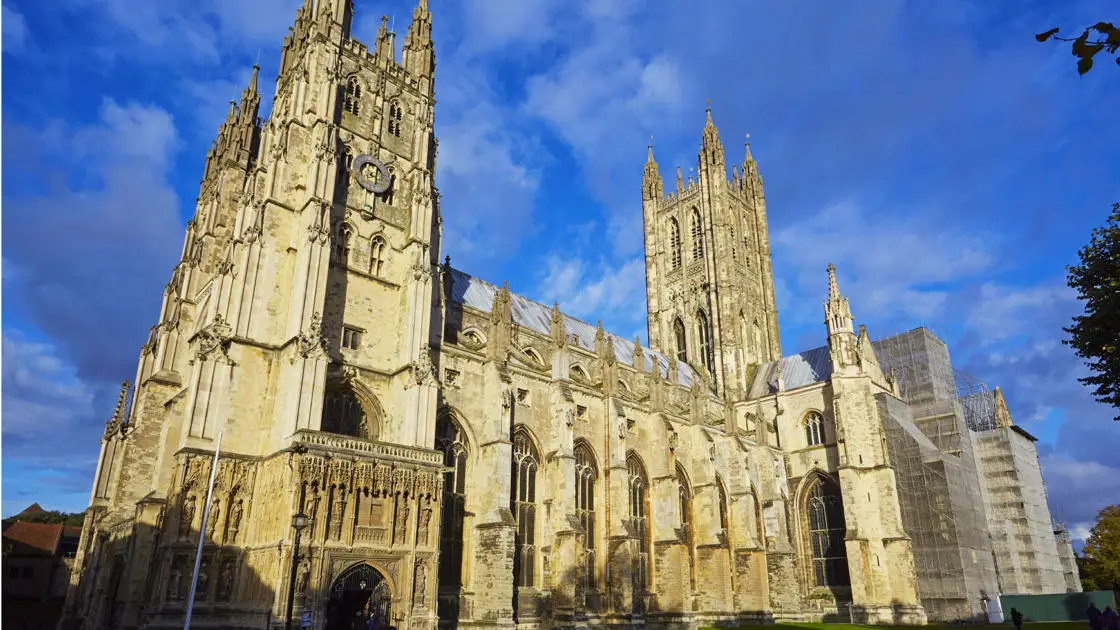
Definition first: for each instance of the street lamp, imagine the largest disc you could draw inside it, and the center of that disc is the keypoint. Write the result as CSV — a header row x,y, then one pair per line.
x,y
299,522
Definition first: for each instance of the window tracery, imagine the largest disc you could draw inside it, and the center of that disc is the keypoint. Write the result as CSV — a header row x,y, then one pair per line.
x,y
684,498
451,441
704,335
343,413
524,507
825,517
376,255
342,244
674,244
396,114
353,95
586,476
697,235
814,428
681,340
639,511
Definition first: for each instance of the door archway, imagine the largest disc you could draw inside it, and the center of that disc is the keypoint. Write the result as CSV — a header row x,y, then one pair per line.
x,y
359,591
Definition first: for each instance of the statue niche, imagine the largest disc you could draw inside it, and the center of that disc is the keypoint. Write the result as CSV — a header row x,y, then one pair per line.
x,y
349,410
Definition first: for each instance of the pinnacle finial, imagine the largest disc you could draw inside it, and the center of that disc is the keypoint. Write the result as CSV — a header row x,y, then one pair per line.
x,y
833,286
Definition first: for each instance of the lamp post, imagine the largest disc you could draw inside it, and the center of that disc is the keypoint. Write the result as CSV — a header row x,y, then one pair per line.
x,y
299,522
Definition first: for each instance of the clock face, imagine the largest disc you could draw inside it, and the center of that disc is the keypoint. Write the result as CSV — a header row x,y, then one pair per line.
x,y
371,173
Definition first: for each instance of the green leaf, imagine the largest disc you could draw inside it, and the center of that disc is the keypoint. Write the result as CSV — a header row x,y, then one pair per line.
x,y
1045,36
1084,64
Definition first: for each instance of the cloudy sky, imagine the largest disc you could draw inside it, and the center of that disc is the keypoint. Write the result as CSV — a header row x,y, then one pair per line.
x,y
948,164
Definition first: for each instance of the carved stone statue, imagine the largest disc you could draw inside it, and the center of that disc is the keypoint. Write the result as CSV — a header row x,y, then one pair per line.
x,y
302,578
401,526
186,516
174,578
203,579
225,580
418,587
212,518
234,521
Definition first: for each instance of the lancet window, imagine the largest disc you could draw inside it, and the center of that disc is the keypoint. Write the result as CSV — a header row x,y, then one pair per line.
x,y
814,428
684,497
524,507
825,516
697,236
681,340
451,441
396,113
704,335
639,517
353,95
376,255
586,476
674,244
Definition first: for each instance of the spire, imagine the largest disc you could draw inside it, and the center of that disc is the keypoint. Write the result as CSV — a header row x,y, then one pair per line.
x,y
1002,413
833,286
652,186
680,180
712,148
842,342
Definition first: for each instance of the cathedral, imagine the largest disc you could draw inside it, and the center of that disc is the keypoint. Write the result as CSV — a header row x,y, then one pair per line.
x,y
329,421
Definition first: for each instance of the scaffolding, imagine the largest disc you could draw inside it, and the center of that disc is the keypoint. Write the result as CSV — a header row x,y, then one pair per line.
x,y
930,448
976,400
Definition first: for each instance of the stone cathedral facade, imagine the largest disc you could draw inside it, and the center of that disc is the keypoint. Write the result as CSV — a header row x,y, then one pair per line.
x,y
467,456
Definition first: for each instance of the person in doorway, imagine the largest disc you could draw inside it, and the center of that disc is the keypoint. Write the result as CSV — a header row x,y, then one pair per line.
x,y
1109,619
1093,614
1017,619
373,623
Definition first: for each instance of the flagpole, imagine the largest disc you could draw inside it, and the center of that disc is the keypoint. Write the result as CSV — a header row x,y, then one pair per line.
x,y
202,531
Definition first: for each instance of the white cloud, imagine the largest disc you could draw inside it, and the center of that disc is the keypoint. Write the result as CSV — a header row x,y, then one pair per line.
x,y
1002,312
890,265
43,395
14,30
615,294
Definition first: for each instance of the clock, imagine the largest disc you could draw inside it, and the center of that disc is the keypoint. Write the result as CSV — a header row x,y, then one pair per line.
x,y
366,163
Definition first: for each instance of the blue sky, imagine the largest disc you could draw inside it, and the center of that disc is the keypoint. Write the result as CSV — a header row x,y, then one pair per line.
x,y
948,164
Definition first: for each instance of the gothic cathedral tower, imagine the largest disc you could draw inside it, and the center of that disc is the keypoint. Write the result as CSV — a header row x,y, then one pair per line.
x,y
709,281
300,326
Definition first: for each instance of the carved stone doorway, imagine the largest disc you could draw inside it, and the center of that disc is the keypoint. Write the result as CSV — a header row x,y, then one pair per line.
x,y
359,591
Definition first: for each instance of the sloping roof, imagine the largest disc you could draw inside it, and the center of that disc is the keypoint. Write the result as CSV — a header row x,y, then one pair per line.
x,y
798,370
34,538
34,508
479,294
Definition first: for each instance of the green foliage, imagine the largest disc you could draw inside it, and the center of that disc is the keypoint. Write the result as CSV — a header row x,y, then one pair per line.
x,y
1100,559
1107,38
1095,336
51,516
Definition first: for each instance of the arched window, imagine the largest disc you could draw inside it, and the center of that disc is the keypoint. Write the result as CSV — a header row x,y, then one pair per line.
x,y
704,336
342,243
681,340
353,95
395,115
814,428
585,508
376,255
639,516
684,497
697,236
756,333
343,414
577,374
451,441
825,516
524,507
674,244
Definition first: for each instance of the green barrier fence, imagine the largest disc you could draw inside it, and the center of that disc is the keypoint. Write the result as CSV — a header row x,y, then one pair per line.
x,y
1056,607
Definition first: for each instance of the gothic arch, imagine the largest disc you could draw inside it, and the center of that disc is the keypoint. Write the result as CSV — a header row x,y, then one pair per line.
x,y
524,501
457,418
724,501
386,589
680,340
371,407
820,531
534,355
576,370
814,425
705,343
675,257
352,92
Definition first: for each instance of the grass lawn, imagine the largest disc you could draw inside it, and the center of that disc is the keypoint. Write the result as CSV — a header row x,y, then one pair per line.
x,y
1038,626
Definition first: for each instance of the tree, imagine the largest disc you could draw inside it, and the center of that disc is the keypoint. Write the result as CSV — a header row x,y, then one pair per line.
x,y
1107,38
1095,336
50,517
1100,559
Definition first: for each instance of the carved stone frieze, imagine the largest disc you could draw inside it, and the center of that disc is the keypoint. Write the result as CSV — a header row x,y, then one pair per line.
x,y
311,344
213,341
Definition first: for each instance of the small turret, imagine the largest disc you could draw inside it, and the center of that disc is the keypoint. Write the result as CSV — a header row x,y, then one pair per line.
x,y
842,341
652,186
418,51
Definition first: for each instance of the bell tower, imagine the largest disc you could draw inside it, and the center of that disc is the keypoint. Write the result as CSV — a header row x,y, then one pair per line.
x,y
709,279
